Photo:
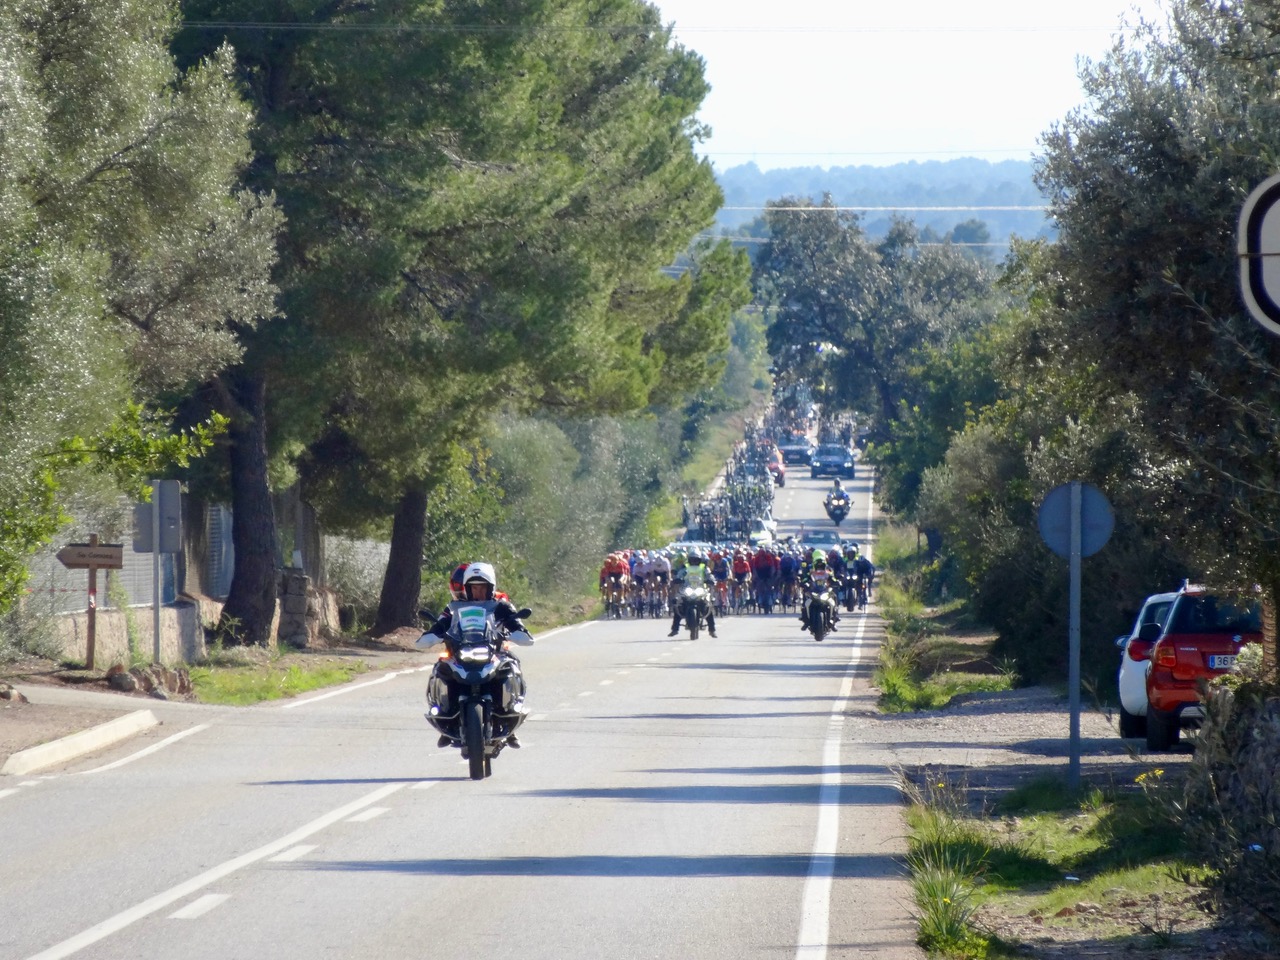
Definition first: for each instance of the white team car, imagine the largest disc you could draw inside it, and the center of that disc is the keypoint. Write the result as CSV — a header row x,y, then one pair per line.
x,y
1135,662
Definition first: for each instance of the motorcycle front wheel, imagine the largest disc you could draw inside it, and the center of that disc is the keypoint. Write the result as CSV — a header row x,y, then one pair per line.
x,y
473,736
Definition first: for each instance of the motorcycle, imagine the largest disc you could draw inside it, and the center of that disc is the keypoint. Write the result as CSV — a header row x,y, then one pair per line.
x,y
820,607
475,695
694,606
849,595
837,509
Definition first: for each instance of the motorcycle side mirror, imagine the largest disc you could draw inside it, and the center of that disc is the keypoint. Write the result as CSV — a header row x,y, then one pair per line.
x,y
524,612
425,614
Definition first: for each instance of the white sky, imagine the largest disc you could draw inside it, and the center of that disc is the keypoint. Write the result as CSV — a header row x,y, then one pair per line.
x,y
845,82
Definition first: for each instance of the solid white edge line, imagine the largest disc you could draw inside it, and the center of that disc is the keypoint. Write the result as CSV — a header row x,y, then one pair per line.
x,y
815,912
5,793
146,751
161,900
198,908
355,686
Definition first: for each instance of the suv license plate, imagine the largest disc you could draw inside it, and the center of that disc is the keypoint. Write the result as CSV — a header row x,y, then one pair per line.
x,y
1222,661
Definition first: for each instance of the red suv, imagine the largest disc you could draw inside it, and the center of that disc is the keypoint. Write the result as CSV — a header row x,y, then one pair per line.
x,y
1201,638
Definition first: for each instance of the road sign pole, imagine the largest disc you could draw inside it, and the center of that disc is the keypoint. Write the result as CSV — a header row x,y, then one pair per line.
x,y
92,638
155,570
1073,642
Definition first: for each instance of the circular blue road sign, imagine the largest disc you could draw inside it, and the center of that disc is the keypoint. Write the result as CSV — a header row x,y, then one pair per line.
x,y
1097,519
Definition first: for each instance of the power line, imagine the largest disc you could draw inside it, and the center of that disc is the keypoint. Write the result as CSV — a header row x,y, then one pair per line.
x,y
410,27
815,209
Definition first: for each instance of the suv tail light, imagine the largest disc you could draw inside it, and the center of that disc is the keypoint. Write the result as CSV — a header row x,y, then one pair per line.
x,y
1166,655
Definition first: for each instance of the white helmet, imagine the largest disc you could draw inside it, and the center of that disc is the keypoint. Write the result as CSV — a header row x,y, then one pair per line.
x,y
480,573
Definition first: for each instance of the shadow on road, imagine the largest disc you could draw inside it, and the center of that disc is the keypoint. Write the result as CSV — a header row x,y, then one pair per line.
x,y
726,865
860,794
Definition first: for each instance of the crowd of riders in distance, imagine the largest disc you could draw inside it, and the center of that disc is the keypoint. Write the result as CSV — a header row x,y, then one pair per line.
x,y
743,579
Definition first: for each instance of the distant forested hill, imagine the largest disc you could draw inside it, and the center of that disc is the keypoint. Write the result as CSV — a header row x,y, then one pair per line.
x,y
950,183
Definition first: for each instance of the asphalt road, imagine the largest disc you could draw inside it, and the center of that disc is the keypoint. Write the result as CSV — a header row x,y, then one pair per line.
x,y
673,799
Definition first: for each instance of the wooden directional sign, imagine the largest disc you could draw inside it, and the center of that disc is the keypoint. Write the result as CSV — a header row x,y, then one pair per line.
x,y
82,556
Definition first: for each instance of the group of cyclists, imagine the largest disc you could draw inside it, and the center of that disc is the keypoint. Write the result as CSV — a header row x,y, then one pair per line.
x,y
744,579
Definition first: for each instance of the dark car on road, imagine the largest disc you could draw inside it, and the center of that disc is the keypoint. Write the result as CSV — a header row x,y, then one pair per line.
x,y
831,460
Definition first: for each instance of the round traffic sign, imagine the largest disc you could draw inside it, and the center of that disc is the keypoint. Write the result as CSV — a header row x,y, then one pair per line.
x,y
1097,519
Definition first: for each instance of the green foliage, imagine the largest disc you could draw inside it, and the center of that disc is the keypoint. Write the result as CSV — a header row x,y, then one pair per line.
x,y
249,683
1230,809
128,258
24,633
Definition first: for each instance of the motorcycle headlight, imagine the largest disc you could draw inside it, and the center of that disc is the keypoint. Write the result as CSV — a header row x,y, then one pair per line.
x,y
474,654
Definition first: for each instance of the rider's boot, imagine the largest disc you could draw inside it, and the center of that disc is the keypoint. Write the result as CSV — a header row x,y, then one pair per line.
x,y
711,624
675,626
513,741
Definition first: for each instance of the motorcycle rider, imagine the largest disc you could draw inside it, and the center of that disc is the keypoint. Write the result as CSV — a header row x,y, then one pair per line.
x,y
694,573
480,584
837,492
819,575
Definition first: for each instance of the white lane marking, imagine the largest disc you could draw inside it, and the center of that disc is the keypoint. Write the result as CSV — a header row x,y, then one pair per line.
x,y
146,751
815,914
198,908
368,814
563,706
161,900
292,704
5,793
654,659
605,683
293,853
586,693
623,673
537,716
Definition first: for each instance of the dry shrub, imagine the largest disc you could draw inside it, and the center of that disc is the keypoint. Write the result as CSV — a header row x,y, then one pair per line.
x,y
1232,801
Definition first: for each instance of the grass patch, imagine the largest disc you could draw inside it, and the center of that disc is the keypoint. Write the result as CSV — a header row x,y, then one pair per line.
x,y
1042,851
233,682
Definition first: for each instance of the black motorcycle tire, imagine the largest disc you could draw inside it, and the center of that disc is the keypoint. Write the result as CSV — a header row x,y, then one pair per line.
x,y
695,624
817,622
473,737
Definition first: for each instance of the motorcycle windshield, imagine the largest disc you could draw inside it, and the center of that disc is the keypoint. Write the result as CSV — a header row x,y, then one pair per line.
x,y
472,624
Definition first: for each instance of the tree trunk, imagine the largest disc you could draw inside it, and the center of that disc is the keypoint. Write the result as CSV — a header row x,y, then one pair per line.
x,y
1270,607
402,582
251,604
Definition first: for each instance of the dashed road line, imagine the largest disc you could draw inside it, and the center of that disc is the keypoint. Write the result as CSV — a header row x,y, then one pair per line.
x,y
198,908
126,918
293,853
369,814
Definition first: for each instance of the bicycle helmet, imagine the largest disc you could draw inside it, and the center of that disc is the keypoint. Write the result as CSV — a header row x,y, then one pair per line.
x,y
480,582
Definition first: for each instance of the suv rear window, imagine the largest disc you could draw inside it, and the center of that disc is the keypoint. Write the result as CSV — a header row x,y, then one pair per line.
x,y
1208,614
832,452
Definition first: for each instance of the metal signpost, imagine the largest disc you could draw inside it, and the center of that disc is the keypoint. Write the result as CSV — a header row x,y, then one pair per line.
x,y
1075,521
90,556
157,530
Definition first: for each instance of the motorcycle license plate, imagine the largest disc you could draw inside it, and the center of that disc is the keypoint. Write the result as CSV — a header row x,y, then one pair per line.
x,y
1222,661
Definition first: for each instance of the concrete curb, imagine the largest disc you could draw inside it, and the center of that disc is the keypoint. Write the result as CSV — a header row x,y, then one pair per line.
x,y
78,744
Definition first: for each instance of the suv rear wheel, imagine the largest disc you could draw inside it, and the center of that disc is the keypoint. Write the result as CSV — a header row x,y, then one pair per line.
x,y
1132,726
1162,729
